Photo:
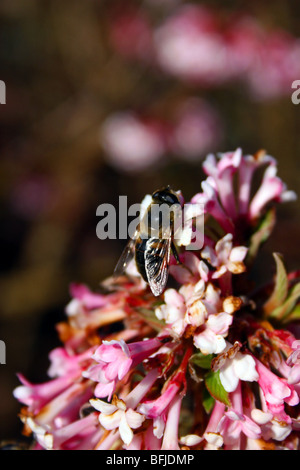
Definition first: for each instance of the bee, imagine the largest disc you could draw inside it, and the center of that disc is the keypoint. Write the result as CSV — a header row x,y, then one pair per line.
x,y
153,241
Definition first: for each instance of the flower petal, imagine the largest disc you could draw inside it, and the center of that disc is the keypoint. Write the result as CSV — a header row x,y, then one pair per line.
x,y
125,430
102,406
238,254
244,367
134,419
111,421
191,440
209,343
228,378
250,428
219,323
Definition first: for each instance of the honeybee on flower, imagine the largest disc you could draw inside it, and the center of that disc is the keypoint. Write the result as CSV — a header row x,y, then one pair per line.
x,y
204,347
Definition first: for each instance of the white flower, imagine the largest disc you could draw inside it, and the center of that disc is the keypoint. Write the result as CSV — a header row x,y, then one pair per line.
x,y
214,440
211,340
271,428
225,257
116,415
191,440
240,367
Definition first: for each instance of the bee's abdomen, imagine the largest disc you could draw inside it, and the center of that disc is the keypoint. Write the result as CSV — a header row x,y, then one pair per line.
x,y
140,247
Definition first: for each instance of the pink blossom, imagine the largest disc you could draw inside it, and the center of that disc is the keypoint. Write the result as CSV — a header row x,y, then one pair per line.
x,y
249,165
211,339
132,144
225,257
56,412
271,428
271,189
121,414
81,434
191,270
234,423
155,408
209,198
37,396
173,311
221,177
191,305
212,436
63,362
276,390
218,197
92,310
115,359
197,307
86,297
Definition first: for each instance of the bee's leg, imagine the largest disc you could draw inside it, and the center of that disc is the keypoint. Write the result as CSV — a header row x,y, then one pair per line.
x,y
174,251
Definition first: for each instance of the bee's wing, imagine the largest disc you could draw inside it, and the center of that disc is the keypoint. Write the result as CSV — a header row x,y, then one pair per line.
x,y
157,257
126,256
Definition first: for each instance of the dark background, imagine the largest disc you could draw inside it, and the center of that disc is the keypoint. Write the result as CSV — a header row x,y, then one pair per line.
x,y
63,78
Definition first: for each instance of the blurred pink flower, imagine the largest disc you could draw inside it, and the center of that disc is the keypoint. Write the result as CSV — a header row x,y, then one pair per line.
x,y
197,128
276,65
132,144
190,47
194,44
244,38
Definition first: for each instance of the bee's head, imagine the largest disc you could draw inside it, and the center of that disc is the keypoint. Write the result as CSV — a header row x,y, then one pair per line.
x,y
166,195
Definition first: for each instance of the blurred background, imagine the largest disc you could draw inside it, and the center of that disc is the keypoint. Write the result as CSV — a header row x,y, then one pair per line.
x,y
108,98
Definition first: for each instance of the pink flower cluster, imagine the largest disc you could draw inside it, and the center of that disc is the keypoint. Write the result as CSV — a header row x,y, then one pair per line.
x,y
133,142
132,365
197,44
189,49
